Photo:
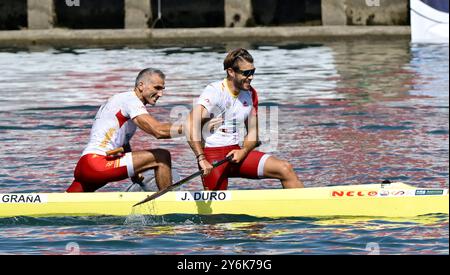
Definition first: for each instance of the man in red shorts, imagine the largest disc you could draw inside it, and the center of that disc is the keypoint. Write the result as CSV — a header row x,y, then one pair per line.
x,y
114,126
236,101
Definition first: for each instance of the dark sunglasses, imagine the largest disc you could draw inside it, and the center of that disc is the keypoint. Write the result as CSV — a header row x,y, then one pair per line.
x,y
246,73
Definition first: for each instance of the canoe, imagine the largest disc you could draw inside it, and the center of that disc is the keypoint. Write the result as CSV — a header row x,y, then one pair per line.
x,y
367,200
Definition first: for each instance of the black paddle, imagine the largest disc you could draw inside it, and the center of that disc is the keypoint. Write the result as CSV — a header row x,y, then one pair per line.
x,y
175,185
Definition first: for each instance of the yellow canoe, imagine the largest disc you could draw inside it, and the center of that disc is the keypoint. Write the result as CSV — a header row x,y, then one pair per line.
x,y
368,200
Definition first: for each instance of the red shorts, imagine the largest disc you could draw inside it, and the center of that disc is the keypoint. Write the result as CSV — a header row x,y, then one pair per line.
x,y
94,171
252,167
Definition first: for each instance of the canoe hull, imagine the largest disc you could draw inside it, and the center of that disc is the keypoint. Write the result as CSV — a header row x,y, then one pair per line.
x,y
375,200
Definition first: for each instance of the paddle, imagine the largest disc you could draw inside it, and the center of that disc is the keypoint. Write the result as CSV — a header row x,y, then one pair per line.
x,y
114,152
175,185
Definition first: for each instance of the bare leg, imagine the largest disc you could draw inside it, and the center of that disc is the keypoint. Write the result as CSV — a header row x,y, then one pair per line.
x,y
282,170
158,159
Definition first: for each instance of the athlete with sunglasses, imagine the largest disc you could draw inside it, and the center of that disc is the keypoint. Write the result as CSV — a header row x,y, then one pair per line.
x,y
236,101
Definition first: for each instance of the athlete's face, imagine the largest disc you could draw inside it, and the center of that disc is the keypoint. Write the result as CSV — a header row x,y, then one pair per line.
x,y
243,75
153,89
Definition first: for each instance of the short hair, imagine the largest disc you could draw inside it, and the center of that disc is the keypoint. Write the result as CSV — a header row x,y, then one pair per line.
x,y
234,55
148,73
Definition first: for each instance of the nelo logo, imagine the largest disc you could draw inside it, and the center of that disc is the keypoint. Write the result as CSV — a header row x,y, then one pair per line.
x,y
351,193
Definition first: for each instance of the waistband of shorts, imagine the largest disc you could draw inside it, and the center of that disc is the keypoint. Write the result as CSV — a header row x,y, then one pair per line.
x,y
93,155
93,152
222,148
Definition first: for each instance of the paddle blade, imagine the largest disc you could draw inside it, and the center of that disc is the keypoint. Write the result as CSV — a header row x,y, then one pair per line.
x,y
154,196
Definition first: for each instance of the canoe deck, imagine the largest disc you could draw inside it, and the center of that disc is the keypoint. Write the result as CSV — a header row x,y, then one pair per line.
x,y
374,200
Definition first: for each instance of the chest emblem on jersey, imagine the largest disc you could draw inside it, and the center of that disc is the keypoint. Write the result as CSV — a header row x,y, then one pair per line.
x,y
245,104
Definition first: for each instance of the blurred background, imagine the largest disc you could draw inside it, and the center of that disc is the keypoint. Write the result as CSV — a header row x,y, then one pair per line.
x,y
112,14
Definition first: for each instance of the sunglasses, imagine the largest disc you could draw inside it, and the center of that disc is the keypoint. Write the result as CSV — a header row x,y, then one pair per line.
x,y
245,73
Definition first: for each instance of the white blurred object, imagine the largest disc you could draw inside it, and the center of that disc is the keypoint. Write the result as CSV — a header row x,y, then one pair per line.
x,y
429,21
149,182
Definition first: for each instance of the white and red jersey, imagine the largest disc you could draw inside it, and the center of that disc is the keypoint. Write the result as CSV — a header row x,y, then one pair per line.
x,y
218,100
113,126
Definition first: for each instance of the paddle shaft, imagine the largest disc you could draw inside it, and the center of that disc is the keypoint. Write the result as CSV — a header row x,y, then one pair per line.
x,y
175,185
119,150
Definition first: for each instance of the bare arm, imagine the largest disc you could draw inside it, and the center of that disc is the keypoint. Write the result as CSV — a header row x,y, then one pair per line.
x,y
150,125
252,139
194,126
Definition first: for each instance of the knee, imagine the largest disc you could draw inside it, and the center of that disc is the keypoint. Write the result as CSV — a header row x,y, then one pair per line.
x,y
286,168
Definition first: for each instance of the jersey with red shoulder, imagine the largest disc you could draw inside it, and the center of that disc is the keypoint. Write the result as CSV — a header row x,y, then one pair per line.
x,y
218,100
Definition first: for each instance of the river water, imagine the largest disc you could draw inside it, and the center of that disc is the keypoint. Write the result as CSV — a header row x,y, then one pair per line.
x,y
351,112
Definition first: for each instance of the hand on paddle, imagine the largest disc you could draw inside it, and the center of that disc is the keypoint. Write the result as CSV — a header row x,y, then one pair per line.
x,y
238,155
211,125
205,166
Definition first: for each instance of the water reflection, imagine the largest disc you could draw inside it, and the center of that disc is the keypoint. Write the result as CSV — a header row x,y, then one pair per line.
x,y
244,235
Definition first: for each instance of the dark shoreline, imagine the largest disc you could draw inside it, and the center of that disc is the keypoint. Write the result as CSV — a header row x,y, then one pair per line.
x,y
66,37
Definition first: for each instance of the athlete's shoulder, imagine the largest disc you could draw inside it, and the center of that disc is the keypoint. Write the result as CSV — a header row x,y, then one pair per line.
x,y
128,98
253,91
254,97
217,85
127,95
120,96
129,103
250,92
213,89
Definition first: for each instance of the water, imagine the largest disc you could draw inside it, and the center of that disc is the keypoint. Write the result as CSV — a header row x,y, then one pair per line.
x,y
181,235
349,113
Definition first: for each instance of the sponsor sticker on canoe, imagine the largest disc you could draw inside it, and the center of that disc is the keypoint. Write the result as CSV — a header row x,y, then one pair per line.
x,y
23,198
429,192
203,196
395,193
